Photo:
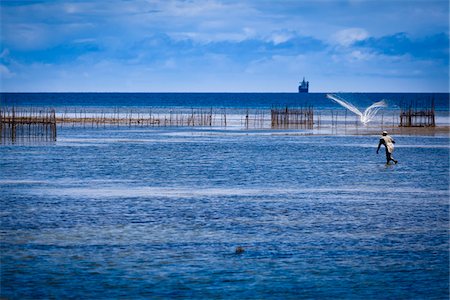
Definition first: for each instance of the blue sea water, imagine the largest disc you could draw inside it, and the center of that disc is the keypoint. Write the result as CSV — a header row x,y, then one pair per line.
x,y
232,100
143,212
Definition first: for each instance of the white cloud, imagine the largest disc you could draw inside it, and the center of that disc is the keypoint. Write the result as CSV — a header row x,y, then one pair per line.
x,y
359,55
205,37
281,36
5,72
27,36
348,36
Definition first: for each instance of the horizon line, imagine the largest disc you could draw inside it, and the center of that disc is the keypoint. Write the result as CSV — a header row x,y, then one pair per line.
x,y
218,92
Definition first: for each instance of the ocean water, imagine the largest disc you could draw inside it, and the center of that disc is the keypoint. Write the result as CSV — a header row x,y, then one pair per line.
x,y
63,101
157,212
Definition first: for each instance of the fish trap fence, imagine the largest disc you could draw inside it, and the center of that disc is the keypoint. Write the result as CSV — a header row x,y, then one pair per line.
x,y
415,116
257,118
412,118
192,118
17,123
292,117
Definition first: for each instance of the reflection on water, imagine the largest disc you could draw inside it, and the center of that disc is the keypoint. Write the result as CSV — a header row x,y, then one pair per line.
x,y
158,213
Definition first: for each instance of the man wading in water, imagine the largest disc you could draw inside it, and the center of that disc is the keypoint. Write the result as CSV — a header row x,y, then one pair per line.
x,y
388,143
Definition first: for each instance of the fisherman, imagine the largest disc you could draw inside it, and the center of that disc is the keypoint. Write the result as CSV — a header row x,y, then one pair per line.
x,y
388,143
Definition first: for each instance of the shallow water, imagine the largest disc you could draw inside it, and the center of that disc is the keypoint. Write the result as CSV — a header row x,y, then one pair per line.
x,y
158,213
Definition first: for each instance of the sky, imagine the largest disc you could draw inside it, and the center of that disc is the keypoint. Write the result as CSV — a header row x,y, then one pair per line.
x,y
224,45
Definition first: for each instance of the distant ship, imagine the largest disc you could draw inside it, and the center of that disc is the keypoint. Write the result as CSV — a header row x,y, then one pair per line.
x,y
304,86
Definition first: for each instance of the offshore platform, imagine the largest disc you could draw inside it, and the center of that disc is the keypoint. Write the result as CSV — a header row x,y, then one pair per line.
x,y
304,86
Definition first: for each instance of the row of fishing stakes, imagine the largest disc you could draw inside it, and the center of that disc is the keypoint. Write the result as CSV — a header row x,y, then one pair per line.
x,y
194,117
292,117
41,122
247,118
30,123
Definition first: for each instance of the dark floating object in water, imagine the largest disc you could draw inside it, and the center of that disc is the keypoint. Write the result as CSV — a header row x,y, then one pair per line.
x,y
239,250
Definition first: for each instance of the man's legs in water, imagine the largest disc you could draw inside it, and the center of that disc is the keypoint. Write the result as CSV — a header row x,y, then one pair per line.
x,y
389,158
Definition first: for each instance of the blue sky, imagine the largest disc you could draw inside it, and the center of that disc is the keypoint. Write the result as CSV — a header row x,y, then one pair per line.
x,y
224,45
